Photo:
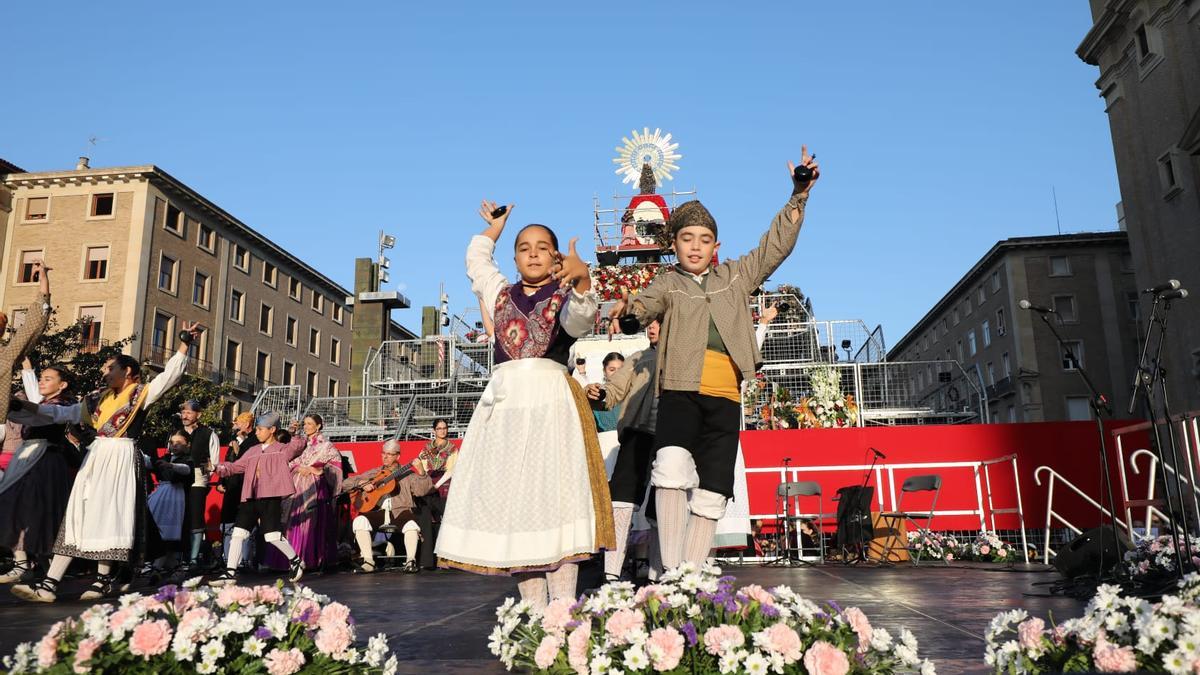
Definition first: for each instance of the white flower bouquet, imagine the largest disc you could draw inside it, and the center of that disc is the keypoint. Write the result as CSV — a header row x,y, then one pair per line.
x,y
200,629
695,621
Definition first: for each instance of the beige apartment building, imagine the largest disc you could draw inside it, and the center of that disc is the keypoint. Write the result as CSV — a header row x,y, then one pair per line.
x,y
1088,279
140,252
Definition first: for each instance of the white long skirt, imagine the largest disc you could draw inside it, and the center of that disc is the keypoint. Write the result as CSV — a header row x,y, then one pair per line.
x,y
733,529
100,523
521,499
166,505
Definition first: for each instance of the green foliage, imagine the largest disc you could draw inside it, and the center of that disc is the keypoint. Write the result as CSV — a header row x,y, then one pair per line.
x,y
163,417
69,346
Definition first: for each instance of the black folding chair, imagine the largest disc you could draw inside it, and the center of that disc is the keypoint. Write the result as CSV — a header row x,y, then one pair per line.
x,y
787,514
891,520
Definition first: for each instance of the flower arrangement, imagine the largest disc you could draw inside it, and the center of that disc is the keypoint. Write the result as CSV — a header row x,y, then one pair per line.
x,y
989,547
694,621
1154,558
1115,634
753,392
611,282
783,412
934,546
198,629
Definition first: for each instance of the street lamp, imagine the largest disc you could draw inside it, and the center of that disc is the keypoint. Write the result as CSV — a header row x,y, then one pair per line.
x,y
846,346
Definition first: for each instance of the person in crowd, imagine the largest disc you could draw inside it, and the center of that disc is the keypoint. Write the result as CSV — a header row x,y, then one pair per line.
x,y
206,452
37,316
168,502
382,483
230,486
311,514
606,418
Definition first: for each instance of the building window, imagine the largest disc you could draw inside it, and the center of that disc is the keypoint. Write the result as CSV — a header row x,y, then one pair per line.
x,y
95,266
290,330
1060,266
995,281
981,296
174,222
167,266
1006,365
991,371
266,316
333,388
241,258
237,305
270,274
294,289
1079,408
1064,306
967,307
1001,328
102,205
26,274
1072,347
314,342
318,302
987,334
200,290
310,384
337,313
961,357
233,356
1133,302
971,349
954,316
262,367
1168,177
92,318
37,208
206,238
289,373
160,336
1012,413
335,351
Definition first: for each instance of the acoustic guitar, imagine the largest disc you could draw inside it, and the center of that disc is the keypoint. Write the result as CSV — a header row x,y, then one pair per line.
x,y
365,501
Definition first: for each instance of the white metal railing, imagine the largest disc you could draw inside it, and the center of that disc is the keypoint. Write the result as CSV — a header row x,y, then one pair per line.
x,y
1052,515
1189,432
284,399
1019,509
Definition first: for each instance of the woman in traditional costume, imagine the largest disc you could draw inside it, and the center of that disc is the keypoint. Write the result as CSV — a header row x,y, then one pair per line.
x,y
530,494
312,514
105,514
168,502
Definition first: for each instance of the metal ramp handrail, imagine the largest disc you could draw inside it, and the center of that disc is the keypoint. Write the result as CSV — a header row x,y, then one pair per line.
x,y
1189,423
1052,515
1019,509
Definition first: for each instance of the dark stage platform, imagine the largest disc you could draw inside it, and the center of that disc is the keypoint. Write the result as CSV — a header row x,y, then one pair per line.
x,y
438,622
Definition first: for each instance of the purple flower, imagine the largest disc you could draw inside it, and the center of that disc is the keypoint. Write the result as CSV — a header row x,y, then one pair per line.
x,y
707,597
166,593
835,607
262,633
770,610
731,606
689,632
303,618
572,625
577,606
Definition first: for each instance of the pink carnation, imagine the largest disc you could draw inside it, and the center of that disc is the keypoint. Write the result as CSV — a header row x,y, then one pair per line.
x,y
242,595
1111,658
334,639
646,592
84,653
665,648
1029,633
47,651
577,647
759,594
861,625
148,604
985,549
193,618
782,640
268,594
150,638
116,622
184,600
308,609
547,651
723,639
824,659
335,614
621,623
557,615
284,663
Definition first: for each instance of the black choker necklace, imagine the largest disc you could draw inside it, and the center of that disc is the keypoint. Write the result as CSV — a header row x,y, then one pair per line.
x,y
539,285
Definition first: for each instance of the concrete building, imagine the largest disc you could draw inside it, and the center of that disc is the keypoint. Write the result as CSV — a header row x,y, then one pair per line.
x,y
1086,278
140,252
1148,53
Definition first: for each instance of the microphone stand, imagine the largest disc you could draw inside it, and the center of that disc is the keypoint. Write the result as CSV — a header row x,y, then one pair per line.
x,y
1151,373
1100,408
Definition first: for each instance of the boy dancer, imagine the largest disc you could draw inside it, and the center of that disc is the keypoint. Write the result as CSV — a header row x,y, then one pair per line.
x,y
706,348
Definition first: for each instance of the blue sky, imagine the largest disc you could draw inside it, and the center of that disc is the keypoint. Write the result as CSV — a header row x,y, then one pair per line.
x,y
941,126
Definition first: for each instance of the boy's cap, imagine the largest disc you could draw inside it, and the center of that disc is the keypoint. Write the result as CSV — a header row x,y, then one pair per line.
x,y
691,213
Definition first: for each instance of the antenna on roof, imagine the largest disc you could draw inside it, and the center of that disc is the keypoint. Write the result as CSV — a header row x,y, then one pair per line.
x,y
1057,222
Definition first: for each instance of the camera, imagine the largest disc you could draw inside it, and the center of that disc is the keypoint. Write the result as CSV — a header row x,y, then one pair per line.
x,y
784,307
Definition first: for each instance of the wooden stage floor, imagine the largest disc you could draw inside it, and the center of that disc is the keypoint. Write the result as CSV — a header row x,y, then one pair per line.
x,y
438,622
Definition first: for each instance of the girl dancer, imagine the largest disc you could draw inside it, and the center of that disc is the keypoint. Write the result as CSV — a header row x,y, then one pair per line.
x,y
530,496
312,519
168,501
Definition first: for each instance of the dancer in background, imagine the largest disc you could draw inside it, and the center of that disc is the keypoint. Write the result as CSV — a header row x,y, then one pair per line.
x,y
530,495
707,349
37,483
267,481
230,486
311,512
206,452
168,502
36,318
606,418
105,514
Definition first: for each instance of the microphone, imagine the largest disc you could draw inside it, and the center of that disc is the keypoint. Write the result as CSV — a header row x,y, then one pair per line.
x,y
1025,304
1177,294
878,454
1171,285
